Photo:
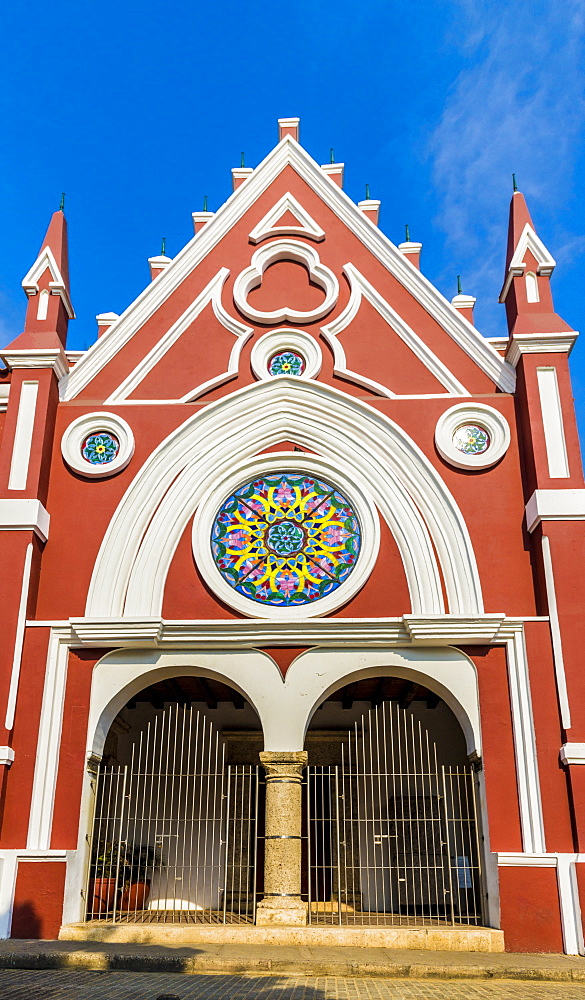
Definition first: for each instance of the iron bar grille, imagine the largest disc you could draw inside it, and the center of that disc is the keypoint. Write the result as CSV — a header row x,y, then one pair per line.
x,y
175,834
391,836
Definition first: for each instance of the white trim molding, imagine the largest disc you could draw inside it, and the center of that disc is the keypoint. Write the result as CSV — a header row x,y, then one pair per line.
x,y
24,515
6,756
4,396
285,250
552,423
18,640
23,436
484,416
130,571
30,282
97,423
289,153
572,753
568,889
361,287
211,294
555,629
268,225
286,339
236,476
555,505
538,343
528,241
527,775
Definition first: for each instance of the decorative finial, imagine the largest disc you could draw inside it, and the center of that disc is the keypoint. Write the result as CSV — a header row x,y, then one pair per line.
x,y
331,156
204,202
242,160
62,203
367,192
514,185
407,232
459,284
163,246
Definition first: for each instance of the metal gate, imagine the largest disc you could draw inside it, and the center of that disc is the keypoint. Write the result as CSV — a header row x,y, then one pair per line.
x,y
175,834
392,837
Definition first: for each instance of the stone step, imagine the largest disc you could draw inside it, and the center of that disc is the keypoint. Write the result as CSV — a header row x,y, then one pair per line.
x,y
291,960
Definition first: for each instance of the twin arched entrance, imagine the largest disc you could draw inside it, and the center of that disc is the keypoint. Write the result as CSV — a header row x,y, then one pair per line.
x,y
378,801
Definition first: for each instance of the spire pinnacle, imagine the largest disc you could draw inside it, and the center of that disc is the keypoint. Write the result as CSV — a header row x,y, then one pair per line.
x,y
514,185
331,155
62,202
367,192
242,159
459,284
204,202
407,233
163,246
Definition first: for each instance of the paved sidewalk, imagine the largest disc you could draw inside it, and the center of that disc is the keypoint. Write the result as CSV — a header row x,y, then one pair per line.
x,y
291,961
31,985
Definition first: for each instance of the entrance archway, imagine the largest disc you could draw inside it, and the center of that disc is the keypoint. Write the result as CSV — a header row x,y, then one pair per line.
x,y
177,812
392,818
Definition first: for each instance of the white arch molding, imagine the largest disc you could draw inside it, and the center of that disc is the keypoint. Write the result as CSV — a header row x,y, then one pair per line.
x,y
286,705
132,564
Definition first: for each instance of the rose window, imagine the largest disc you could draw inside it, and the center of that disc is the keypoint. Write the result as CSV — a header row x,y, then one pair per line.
x,y
471,439
100,448
286,539
286,363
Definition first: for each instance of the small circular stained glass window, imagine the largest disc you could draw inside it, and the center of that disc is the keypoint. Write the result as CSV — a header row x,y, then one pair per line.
x,y
100,448
286,363
286,539
471,439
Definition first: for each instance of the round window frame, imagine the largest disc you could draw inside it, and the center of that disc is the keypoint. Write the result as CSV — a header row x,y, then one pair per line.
x,y
95,423
267,465
490,420
286,339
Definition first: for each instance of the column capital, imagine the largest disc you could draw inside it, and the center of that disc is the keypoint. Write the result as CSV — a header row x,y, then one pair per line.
x,y
284,764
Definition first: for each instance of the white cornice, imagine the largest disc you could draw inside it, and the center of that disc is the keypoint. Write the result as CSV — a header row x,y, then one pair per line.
x,y
24,515
573,753
540,343
36,358
288,152
4,396
440,630
555,505
6,756
463,301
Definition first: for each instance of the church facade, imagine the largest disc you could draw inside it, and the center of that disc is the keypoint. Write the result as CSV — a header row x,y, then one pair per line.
x,y
292,634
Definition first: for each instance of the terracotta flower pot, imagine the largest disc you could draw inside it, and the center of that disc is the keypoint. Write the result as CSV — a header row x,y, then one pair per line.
x,y
102,892
135,896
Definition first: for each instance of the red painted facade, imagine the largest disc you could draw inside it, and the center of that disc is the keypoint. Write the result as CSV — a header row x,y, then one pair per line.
x,y
535,792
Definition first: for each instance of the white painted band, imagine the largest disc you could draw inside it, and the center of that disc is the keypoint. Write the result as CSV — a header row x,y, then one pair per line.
x,y
21,447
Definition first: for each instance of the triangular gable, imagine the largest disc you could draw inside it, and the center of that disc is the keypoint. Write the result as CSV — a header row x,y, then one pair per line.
x,y
545,263
275,222
288,152
46,261
530,241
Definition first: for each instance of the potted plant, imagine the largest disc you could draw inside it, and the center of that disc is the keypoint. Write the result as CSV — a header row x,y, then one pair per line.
x,y
109,864
141,861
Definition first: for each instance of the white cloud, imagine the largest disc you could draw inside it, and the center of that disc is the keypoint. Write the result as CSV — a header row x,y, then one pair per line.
x,y
517,105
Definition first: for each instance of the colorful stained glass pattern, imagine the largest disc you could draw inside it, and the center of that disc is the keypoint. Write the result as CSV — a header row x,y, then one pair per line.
x,y
286,539
101,448
286,363
471,439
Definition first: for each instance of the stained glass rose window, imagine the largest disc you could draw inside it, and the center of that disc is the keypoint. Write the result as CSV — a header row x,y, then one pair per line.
x,y
286,539
100,448
471,439
286,363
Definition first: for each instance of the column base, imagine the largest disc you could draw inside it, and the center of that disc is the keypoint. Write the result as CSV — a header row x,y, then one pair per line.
x,y
281,911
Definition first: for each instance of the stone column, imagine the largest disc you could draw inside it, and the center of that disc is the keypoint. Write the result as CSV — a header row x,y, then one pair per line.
x,y
282,902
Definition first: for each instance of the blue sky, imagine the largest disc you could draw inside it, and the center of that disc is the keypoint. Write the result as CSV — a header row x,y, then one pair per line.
x,y
138,110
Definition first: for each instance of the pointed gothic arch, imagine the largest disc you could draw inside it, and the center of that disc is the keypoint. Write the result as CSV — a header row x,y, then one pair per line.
x,y
132,564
